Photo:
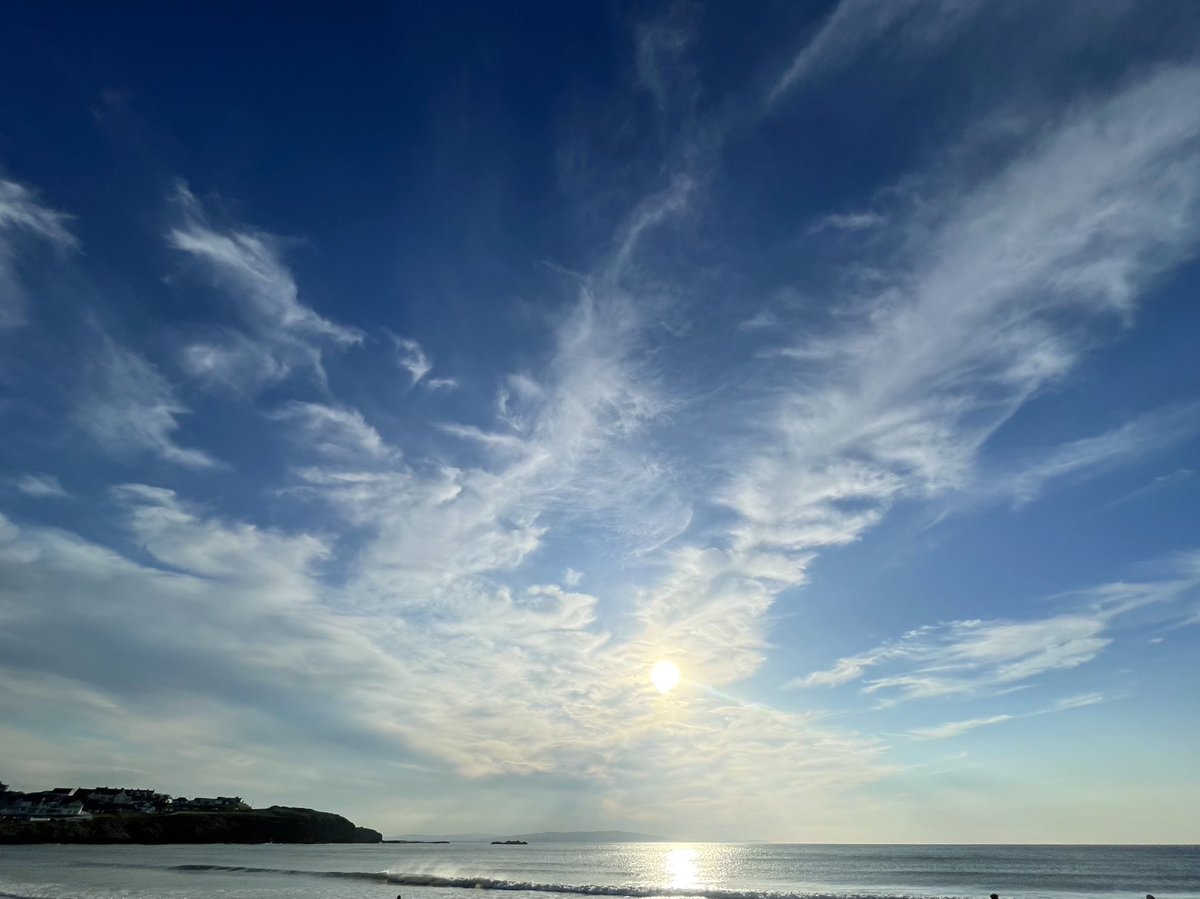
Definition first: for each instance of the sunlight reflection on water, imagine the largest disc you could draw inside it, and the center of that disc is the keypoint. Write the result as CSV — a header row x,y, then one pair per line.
x,y
690,866
682,872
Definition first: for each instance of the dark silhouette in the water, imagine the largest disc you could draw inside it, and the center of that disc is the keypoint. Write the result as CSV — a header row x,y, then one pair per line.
x,y
993,896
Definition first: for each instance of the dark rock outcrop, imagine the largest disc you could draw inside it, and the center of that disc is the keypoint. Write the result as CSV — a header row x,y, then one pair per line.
x,y
277,824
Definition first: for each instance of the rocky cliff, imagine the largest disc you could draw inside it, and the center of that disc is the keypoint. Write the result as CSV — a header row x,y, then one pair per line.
x,y
277,824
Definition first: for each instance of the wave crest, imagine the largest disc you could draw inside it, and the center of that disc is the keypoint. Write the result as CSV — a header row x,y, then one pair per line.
x,y
522,886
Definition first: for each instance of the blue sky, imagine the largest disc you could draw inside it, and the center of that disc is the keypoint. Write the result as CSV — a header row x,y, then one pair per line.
x,y
384,394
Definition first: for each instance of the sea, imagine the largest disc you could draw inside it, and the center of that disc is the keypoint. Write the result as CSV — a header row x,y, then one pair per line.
x,y
568,870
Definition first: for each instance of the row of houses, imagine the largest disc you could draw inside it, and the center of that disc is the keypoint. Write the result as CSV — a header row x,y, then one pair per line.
x,y
83,802
39,806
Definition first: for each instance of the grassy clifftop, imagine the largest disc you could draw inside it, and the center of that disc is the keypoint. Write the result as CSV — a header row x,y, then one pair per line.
x,y
277,824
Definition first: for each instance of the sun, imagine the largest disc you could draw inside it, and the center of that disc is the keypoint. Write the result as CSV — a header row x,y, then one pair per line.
x,y
664,675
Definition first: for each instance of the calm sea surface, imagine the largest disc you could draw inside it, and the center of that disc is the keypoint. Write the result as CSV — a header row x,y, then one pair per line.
x,y
708,870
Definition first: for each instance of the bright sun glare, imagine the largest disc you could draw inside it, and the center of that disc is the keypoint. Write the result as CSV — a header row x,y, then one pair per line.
x,y
665,676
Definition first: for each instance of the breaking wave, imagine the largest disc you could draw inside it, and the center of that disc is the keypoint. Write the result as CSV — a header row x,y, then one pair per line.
x,y
523,886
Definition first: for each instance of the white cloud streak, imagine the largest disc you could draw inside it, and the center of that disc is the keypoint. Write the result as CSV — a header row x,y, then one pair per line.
x,y
22,215
412,358
1093,455
127,407
856,24
847,221
971,657
651,213
761,321
958,728
1181,477
41,486
278,332
977,658
334,431
659,45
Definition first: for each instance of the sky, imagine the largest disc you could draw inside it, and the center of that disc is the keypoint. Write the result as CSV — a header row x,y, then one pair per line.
x,y
386,389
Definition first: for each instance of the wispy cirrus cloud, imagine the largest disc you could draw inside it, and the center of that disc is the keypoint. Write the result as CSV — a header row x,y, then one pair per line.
x,y
658,47
847,221
984,657
650,213
22,215
761,321
560,447
1090,456
128,408
855,24
1181,477
411,357
970,657
335,431
278,333
994,297
40,486
957,728
1085,217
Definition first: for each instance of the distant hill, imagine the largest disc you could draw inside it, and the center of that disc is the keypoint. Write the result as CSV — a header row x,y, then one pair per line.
x,y
277,824
550,836
445,837
590,836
